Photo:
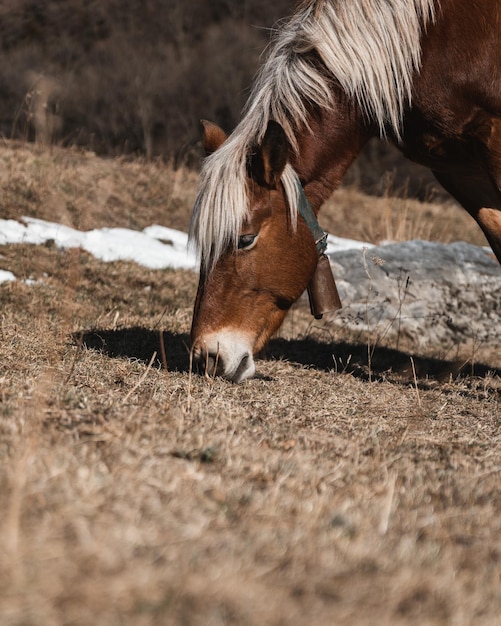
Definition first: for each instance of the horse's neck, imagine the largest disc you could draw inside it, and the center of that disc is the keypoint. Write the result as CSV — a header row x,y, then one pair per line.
x,y
327,149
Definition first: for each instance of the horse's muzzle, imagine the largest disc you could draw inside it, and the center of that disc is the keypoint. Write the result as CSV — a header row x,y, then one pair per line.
x,y
225,353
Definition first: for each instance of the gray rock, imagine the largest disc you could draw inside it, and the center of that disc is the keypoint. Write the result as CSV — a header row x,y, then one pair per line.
x,y
432,295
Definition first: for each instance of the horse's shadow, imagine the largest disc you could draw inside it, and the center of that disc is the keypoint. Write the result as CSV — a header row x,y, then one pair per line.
x,y
350,358
383,363
140,344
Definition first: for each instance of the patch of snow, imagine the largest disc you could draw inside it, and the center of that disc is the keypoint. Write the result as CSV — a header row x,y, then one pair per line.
x,y
6,276
156,247
338,244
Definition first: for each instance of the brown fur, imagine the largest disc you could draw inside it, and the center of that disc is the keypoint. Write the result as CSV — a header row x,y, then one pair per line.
x,y
248,283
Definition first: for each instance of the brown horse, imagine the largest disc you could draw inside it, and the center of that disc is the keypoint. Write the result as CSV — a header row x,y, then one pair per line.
x,y
425,74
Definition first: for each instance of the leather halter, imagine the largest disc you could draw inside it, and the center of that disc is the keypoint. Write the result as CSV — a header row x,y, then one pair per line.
x,y
322,290
304,208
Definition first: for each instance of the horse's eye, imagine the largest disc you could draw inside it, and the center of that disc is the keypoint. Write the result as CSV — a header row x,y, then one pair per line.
x,y
246,241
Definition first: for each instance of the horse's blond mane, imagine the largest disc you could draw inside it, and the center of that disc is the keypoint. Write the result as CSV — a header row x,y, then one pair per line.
x,y
371,47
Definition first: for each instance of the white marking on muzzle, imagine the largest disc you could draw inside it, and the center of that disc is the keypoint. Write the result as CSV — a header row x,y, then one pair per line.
x,y
227,353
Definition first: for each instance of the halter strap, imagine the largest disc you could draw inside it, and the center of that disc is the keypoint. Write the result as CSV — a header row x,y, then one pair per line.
x,y
304,207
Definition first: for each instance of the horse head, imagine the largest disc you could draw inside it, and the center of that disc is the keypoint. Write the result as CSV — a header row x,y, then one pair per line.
x,y
245,293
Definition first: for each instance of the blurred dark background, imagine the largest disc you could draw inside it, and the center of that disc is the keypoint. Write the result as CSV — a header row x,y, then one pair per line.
x,y
128,76
134,77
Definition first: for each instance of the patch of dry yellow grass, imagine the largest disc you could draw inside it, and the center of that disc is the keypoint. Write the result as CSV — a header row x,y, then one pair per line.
x,y
78,189
351,213
135,496
142,496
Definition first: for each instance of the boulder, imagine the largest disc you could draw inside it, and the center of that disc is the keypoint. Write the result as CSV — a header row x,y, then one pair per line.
x,y
419,294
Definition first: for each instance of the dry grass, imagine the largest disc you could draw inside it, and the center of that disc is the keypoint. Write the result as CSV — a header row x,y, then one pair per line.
x,y
78,189
308,495
351,213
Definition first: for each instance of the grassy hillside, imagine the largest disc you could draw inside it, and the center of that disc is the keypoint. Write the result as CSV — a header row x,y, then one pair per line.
x,y
133,491
79,189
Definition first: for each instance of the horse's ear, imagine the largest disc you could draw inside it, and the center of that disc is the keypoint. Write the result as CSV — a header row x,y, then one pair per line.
x,y
274,152
214,136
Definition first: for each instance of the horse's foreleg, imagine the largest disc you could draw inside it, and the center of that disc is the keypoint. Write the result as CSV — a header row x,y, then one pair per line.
x,y
479,193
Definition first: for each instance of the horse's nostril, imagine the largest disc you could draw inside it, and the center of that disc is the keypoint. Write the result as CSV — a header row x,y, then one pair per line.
x,y
242,366
209,364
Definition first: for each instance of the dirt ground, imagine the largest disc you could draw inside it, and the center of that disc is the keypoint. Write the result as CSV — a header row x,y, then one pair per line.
x,y
133,491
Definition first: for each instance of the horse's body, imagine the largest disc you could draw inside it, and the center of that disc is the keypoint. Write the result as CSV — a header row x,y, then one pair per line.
x,y
424,73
